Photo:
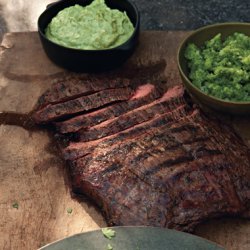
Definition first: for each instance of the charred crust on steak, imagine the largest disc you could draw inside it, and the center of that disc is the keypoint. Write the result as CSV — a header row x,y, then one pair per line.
x,y
145,154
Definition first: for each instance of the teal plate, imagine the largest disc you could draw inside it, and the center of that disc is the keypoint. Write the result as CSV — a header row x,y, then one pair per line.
x,y
134,238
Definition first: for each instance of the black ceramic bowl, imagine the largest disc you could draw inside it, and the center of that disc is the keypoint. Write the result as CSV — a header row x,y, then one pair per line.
x,y
89,60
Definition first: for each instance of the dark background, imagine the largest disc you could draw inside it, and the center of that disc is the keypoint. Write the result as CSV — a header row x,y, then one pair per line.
x,y
176,14
190,14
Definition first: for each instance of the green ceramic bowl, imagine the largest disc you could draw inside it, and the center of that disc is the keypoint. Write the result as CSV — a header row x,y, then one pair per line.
x,y
198,37
134,238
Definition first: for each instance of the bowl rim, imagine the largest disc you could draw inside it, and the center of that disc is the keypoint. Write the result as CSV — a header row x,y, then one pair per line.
x,y
183,43
56,3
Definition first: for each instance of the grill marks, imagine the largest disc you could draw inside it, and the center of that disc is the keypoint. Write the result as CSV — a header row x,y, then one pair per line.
x,y
75,85
149,154
143,95
81,104
76,150
149,158
130,119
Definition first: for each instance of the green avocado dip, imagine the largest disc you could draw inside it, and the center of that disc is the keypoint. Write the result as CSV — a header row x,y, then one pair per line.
x,y
222,68
92,27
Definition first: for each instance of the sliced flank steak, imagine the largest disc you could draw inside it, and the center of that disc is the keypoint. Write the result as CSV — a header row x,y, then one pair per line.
x,y
146,155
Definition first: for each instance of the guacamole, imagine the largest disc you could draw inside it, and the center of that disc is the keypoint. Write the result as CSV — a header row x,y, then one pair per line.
x,y
92,27
222,68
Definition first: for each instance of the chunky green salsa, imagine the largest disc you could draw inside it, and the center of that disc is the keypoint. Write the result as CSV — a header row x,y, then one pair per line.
x,y
222,68
92,27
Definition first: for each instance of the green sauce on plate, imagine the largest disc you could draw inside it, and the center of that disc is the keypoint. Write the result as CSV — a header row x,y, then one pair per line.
x,y
92,27
222,68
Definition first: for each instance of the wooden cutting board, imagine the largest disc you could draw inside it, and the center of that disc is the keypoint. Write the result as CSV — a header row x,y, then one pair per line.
x,y
36,206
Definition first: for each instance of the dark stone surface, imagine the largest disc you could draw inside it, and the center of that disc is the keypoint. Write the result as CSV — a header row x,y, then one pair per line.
x,y
182,14
3,27
190,14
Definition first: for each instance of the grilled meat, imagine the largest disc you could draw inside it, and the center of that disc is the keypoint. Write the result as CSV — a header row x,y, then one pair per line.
x,y
149,157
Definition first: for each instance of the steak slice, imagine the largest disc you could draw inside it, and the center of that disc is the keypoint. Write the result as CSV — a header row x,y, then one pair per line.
x,y
170,100
55,111
77,150
170,179
143,95
75,85
156,162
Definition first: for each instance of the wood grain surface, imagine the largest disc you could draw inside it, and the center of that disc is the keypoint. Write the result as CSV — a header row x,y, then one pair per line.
x,y
36,205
